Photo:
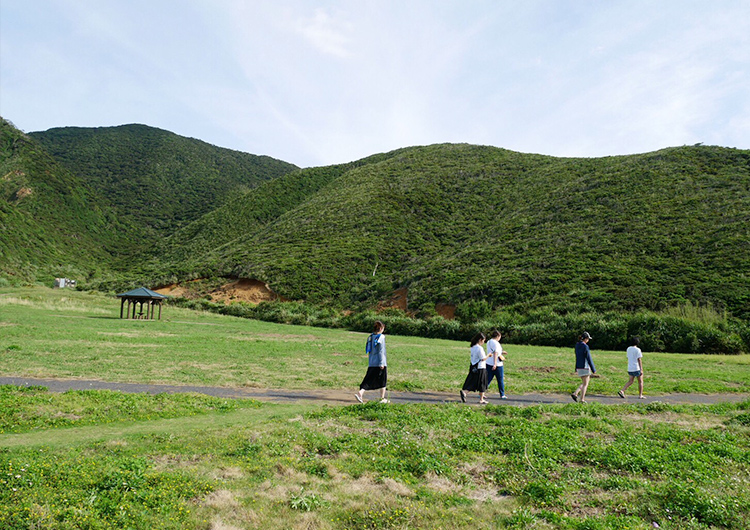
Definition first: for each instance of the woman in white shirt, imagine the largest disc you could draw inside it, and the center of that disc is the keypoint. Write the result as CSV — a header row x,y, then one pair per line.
x,y
476,381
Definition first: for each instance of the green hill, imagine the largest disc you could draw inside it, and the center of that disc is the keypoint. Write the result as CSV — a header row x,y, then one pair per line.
x,y
454,223
156,180
548,244
198,247
51,223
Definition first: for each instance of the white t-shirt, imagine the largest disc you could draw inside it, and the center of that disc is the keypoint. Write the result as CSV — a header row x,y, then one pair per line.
x,y
492,347
634,353
477,356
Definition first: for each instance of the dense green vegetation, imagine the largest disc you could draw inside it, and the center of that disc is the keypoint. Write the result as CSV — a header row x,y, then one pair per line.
x,y
92,204
457,222
155,179
51,223
683,329
242,465
656,244
184,254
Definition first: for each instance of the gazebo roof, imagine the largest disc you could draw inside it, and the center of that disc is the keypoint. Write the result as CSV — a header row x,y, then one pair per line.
x,y
142,292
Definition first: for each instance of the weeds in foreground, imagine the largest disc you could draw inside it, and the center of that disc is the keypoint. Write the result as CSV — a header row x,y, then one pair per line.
x,y
389,466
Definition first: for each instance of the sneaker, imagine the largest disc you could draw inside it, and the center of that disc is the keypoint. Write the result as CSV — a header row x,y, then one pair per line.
x,y
584,401
641,397
463,396
503,397
384,400
574,397
483,402
359,398
621,394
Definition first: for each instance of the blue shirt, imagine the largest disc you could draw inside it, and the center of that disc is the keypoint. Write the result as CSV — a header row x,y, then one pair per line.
x,y
376,349
583,357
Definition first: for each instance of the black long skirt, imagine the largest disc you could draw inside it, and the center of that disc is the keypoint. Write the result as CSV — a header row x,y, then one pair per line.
x,y
377,378
476,381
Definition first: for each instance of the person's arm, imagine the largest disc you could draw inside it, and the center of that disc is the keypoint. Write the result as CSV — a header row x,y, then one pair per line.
x,y
640,364
591,361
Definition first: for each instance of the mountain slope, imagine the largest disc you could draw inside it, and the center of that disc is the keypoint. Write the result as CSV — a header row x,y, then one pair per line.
x,y
246,215
459,222
156,180
51,224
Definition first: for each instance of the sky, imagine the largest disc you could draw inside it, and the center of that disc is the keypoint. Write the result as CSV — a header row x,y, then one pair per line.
x,y
326,82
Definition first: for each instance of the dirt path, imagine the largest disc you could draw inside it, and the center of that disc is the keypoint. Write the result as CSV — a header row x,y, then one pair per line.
x,y
343,397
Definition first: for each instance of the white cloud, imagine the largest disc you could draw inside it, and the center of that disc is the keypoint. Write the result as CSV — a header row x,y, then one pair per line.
x,y
327,33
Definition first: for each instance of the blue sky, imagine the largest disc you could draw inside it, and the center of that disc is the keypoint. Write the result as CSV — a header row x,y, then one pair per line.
x,y
324,82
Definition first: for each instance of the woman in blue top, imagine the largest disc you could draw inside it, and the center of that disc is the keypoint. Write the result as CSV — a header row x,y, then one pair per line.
x,y
377,370
584,366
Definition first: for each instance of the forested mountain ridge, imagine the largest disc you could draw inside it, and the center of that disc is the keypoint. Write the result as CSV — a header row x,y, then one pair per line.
x,y
156,180
446,224
85,201
51,223
452,223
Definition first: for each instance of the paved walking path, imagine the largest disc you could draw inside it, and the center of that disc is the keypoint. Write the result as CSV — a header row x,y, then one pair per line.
x,y
339,397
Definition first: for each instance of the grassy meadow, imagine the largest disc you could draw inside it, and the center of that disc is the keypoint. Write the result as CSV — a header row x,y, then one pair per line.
x,y
107,460
69,334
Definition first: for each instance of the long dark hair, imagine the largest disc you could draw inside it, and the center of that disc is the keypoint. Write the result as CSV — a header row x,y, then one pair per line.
x,y
477,338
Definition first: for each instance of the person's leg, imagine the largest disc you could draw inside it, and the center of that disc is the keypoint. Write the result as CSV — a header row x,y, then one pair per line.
x,y
482,397
491,373
501,380
640,385
581,390
359,394
580,387
621,393
584,386
382,393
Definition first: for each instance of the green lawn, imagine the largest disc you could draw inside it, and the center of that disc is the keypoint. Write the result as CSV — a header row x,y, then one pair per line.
x,y
107,460
69,334
194,462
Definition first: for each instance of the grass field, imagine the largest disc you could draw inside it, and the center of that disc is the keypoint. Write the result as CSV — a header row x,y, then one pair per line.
x,y
107,460
68,334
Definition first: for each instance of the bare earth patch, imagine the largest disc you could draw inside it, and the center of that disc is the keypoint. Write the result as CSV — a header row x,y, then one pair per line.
x,y
245,290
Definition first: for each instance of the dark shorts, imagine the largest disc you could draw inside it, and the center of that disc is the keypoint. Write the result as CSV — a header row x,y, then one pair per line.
x,y
375,377
637,373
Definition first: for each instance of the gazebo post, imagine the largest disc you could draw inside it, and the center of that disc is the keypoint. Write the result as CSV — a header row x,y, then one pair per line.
x,y
159,309
122,305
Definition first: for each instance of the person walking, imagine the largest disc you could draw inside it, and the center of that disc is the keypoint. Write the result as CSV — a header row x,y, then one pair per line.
x,y
476,381
584,366
495,362
377,369
635,367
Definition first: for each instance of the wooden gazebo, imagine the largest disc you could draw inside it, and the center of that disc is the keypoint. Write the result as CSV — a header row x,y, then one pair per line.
x,y
139,298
